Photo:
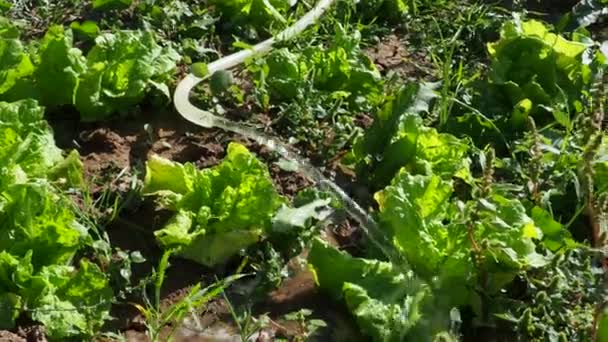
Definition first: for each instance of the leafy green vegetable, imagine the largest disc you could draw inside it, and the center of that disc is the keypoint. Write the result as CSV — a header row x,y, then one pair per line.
x,y
115,74
318,89
287,218
416,209
111,4
68,171
285,71
385,9
461,229
58,67
220,210
67,301
440,238
340,69
26,139
40,233
389,304
385,302
121,67
530,63
259,13
37,219
14,62
398,139
87,28
71,302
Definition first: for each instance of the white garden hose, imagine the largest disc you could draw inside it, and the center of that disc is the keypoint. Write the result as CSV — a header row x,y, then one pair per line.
x,y
207,119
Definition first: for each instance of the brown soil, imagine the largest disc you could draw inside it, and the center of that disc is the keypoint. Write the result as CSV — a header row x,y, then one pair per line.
x,y
26,332
7,336
392,54
113,152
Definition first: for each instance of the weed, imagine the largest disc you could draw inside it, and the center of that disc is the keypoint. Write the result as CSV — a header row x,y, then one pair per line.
x,y
157,317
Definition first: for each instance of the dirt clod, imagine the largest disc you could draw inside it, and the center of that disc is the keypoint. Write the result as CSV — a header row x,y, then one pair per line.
x,y
7,336
391,54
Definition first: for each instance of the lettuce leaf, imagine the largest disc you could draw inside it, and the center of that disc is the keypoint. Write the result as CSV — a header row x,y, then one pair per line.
x,y
71,301
26,139
14,62
58,67
383,9
37,219
120,68
431,230
219,210
399,139
40,233
13,272
413,209
385,302
530,63
116,73
28,147
259,13
341,69
389,304
426,227
68,301
285,72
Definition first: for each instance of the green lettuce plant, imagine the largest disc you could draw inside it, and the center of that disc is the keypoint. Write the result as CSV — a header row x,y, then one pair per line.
x,y
340,70
398,138
258,13
218,211
541,73
40,233
457,253
116,73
